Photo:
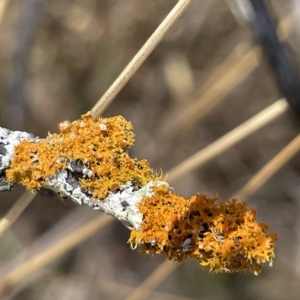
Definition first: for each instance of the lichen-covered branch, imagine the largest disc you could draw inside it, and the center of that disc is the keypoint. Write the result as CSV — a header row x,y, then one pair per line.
x,y
88,162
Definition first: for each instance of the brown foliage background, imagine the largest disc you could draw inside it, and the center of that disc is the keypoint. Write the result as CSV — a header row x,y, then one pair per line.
x,y
58,57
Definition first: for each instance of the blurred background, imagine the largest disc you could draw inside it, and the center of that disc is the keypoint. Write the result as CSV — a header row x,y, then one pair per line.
x,y
58,57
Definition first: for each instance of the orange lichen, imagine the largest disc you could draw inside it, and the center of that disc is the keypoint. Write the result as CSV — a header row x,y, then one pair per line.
x,y
222,236
100,145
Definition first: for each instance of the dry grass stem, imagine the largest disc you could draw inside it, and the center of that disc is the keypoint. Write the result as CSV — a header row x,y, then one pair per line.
x,y
228,140
3,6
40,260
15,211
153,280
121,290
270,169
233,71
286,26
140,57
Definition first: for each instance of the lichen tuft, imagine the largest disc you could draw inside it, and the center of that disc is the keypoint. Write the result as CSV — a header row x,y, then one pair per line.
x,y
224,237
100,145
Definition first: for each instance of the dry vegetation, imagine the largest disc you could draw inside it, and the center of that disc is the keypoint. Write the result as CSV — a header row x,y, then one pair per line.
x,y
58,57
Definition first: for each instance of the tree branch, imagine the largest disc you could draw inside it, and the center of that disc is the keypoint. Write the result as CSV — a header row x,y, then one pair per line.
x,y
88,162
